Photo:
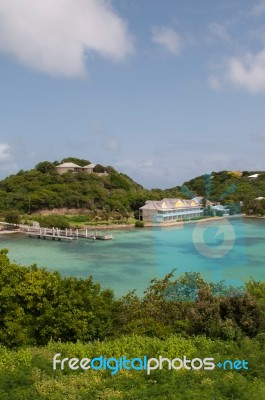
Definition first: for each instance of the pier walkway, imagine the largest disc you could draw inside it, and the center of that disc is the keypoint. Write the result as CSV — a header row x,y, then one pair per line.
x,y
63,234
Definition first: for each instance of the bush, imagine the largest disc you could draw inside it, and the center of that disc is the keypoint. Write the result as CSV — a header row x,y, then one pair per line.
x,y
45,167
56,221
38,305
99,169
139,224
79,218
219,213
12,217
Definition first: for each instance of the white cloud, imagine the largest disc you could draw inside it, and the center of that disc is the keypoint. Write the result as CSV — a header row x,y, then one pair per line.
x,y
168,38
5,152
7,164
247,72
54,36
243,72
219,31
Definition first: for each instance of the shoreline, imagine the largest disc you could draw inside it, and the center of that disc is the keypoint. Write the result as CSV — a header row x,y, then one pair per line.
x,y
253,217
5,232
148,225
161,225
115,227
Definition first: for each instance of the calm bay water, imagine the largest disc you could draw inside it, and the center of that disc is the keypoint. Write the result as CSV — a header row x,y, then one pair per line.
x,y
134,257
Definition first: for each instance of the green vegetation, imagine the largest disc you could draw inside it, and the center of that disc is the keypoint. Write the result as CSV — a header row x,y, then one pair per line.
x,y
175,317
28,374
43,188
75,160
38,306
12,217
115,197
230,187
139,224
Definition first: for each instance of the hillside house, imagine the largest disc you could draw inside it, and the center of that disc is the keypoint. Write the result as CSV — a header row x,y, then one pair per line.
x,y
88,168
69,166
254,176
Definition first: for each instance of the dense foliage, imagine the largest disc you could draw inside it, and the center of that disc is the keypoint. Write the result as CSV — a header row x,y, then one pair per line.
x,y
76,318
38,305
43,188
230,187
28,374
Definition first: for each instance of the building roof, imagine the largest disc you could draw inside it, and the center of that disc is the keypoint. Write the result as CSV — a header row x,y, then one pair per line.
x,y
260,198
89,166
253,176
167,204
149,205
220,207
197,199
68,165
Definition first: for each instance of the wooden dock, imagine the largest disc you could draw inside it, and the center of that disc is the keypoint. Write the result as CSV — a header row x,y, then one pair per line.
x,y
64,234
51,237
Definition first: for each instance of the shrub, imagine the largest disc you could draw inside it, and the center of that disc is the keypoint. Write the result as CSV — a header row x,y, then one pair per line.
x,y
57,221
12,217
139,224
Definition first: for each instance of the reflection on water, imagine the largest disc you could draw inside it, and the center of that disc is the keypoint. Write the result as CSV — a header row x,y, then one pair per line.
x,y
134,257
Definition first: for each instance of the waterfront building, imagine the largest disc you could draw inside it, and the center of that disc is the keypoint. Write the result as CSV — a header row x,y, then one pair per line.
x,y
169,210
220,209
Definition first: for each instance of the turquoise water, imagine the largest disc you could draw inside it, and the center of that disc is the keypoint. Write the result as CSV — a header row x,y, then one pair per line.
x,y
134,257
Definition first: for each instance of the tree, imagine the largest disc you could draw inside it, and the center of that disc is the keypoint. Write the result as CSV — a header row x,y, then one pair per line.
x,y
78,161
45,167
204,202
99,169
12,217
38,305
249,205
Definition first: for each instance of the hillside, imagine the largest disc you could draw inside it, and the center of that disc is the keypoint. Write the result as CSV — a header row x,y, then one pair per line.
x,y
44,188
227,186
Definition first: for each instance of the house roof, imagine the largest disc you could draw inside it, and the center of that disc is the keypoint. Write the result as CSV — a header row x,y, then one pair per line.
x,y
68,165
89,166
166,204
149,205
220,207
197,199
253,176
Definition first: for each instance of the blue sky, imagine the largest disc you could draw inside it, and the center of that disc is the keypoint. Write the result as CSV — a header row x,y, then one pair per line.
x,y
161,90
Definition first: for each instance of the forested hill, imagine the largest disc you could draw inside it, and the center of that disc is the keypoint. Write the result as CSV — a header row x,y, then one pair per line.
x,y
227,186
43,188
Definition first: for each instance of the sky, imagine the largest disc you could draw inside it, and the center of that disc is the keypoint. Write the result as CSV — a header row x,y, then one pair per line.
x,y
162,90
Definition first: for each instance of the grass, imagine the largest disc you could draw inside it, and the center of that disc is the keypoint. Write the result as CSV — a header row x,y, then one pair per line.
x,y
79,221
